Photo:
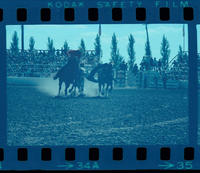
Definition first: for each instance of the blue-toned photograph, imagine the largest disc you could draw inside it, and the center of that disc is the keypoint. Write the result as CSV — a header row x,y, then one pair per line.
x,y
97,84
198,70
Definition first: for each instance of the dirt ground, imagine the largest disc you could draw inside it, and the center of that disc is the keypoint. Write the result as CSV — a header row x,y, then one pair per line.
x,y
126,117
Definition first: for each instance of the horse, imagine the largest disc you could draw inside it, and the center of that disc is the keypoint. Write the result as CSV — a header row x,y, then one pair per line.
x,y
78,83
104,77
68,74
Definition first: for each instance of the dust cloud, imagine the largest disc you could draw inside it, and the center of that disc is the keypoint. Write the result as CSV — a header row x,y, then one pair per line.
x,y
50,87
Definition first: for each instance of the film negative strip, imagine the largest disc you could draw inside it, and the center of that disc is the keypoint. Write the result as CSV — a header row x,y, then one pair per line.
x,y
99,85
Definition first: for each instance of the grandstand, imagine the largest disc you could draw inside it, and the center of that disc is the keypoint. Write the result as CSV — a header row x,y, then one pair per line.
x,y
40,63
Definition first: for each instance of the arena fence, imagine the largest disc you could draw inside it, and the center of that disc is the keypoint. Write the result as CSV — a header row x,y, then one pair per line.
x,y
143,79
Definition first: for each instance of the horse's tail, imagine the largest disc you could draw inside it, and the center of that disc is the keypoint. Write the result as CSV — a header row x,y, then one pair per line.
x,y
60,72
92,73
91,78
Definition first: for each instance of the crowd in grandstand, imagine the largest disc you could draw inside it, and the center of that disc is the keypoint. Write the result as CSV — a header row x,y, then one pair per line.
x,y
42,63
35,63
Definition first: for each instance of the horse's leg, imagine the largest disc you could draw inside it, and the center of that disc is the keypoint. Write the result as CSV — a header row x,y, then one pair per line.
x,y
60,85
75,87
107,86
103,89
81,87
111,86
66,87
74,91
72,88
99,89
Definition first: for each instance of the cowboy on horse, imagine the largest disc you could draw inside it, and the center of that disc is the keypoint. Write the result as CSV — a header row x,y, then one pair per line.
x,y
71,73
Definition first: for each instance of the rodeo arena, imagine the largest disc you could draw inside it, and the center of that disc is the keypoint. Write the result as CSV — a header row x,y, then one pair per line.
x,y
147,105
144,104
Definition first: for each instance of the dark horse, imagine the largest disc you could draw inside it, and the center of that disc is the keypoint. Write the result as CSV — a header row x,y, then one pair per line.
x,y
104,77
69,74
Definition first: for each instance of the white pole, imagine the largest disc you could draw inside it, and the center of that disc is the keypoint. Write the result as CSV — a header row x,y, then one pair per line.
x,y
22,37
183,38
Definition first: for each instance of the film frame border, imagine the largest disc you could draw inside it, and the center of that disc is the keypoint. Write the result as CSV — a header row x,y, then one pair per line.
x,y
9,17
93,14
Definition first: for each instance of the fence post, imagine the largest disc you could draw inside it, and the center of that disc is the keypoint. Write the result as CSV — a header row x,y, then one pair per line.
x,y
193,85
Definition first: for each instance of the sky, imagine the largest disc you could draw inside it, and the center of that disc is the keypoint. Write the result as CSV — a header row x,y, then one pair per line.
x,y
198,40
73,34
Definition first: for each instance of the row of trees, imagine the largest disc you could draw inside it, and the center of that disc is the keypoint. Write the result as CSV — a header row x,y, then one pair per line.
x,y
148,61
116,57
50,45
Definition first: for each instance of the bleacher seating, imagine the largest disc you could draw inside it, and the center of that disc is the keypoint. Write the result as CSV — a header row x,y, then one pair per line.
x,y
39,63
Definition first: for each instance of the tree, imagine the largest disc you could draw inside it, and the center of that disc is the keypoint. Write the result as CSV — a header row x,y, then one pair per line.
x,y
147,49
116,58
82,47
148,55
182,56
50,46
14,44
97,47
121,62
147,45
65,47
31,43
131,52
165,52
